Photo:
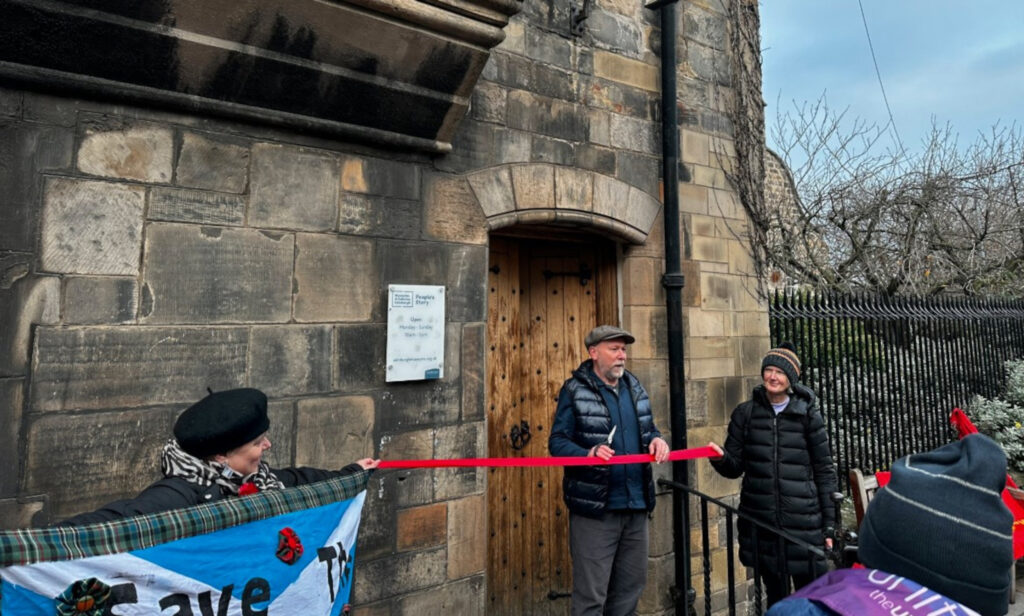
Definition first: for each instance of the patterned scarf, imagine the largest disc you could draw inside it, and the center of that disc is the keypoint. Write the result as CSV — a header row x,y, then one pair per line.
x,y
176,462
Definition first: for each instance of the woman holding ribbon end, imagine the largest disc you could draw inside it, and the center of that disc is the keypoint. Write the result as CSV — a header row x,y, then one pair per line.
x,y
216,452
777,442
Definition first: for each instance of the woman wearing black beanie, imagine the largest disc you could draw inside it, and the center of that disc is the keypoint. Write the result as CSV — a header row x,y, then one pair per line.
x,y
778,444
216,452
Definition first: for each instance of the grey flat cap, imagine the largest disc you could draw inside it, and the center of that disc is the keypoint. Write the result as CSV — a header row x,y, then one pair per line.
x,y
607,332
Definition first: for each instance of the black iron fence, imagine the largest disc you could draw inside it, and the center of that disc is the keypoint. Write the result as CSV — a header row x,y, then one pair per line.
x,y
736,594
888,371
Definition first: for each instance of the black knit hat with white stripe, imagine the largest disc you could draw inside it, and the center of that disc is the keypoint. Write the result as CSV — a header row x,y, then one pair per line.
x,y
784,358
941,522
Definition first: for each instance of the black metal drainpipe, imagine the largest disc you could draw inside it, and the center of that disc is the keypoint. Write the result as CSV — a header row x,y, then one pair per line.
x,y
672,281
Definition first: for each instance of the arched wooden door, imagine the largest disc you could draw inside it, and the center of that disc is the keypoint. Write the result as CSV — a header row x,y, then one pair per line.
x,y
543,298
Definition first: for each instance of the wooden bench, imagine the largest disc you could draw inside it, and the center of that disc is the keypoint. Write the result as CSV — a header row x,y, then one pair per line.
x,y
863,489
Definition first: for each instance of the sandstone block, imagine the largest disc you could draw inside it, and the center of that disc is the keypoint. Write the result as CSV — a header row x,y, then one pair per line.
x,y
463,597
461,441
281,433
600,128
697,403
627,71
704,323
693,198
534,186
25,152
657,595
595,158
125,367
647,324
421,403
293,189
120,456
415,445
611,197
216,275
143,152
94,300
466,296
467,536
629,133
641,281
574,189
91,227
696,147
409,571
548,48
12,401
212,164
547,116
422,527
336,278
381,177
726,204
413,263
451,211
186,205
474,337
493,190
377,525
371,215
28,301
512,146
719,292
750,351
706,348
710,249
711,367
749,323
653,373
489,101
641,171
642,210
553,151
333,432
20,513
361,353
288,360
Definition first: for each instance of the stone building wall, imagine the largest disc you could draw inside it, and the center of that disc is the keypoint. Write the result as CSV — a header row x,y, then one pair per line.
x,y
147,255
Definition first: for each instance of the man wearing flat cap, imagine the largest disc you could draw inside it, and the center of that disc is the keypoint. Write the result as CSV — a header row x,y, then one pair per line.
x,y
603,410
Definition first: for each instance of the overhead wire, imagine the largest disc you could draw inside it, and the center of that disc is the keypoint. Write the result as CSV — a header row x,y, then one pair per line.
x,y
878,74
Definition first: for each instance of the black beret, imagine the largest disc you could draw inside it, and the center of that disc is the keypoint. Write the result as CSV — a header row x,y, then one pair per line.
x,y
222,421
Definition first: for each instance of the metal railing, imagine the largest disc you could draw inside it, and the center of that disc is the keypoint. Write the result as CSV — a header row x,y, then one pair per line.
x,y
888,371
710,599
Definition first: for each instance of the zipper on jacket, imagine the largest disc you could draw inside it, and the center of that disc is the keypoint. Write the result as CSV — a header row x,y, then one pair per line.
x,y
775,463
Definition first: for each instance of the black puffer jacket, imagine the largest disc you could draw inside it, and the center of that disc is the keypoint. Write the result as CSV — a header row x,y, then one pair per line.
x,y
586,422
177,493
788,476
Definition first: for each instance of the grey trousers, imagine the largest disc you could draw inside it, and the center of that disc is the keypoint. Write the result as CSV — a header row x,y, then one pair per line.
x,y
609,563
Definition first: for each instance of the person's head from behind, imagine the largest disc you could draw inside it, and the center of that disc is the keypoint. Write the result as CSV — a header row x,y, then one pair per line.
x,y
606,346
229,427
941,522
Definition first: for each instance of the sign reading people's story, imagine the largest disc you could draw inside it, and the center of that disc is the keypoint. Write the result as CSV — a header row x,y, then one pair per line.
x,y
415,332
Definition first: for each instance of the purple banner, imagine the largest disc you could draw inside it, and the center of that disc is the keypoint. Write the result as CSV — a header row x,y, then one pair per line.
x,y
867,592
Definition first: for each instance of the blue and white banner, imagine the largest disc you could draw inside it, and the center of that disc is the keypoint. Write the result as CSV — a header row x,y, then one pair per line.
x,y
294,563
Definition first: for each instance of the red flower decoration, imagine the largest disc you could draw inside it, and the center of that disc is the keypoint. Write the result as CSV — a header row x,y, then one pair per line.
x,y
289,548
248,488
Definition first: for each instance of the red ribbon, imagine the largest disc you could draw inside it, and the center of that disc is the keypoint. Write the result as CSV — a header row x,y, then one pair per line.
x,y
636,458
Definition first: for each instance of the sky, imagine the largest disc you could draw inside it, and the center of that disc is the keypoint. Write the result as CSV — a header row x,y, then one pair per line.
x,y
959,61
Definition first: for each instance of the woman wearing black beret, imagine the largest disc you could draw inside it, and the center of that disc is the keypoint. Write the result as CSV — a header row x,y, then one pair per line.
x,y
216,452
778,443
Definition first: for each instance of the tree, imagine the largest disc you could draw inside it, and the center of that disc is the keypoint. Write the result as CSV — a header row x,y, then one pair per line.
x,y
944,219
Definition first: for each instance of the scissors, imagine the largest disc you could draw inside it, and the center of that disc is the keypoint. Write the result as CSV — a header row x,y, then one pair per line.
x,y
610,435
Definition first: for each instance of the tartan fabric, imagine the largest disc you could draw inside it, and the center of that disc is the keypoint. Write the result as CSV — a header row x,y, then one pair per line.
x,y
24,547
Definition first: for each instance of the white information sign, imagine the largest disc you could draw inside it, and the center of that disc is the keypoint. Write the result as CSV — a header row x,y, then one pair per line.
x,y
415,332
